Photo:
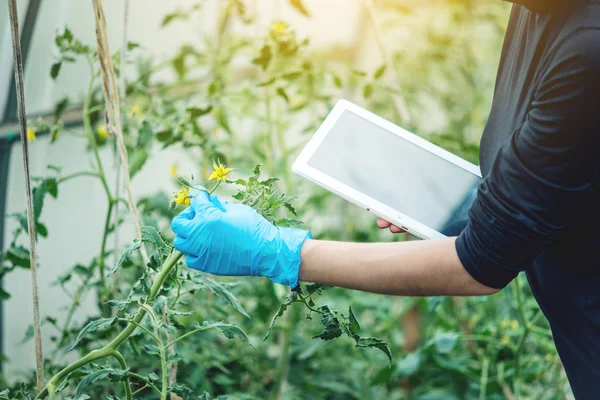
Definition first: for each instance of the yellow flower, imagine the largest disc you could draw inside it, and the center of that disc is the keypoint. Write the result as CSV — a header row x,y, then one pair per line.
x,y
135,112
102,133
504,340
505,323
279,28
514,324
549,357
173,170
182,198
219,173
31,135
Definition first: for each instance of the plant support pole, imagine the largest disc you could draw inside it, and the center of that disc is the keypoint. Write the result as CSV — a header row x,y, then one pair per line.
x,y
14,24
113,112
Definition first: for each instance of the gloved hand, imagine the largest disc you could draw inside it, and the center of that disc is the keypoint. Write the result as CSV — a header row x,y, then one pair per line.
x,y
234,240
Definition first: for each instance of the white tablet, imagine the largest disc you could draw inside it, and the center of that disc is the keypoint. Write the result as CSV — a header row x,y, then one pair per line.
x,y
391,172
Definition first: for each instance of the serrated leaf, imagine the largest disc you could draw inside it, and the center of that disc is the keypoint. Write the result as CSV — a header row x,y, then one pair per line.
x,y
221,291
331,325
230,331
136,245
353,325
60,108
282,308
97,325
38,200
371,342
112,374
151,235
118,304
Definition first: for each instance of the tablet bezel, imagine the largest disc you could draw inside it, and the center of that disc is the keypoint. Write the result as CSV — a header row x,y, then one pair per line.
x,y
358,198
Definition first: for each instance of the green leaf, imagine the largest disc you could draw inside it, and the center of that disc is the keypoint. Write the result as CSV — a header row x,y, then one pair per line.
x,y
380,71
371,342
445,342
281,92
60,108
136,245
292,297
4,295
408,364
55,69
38,200
299,6
132,45
137,160
118,304
51,186
97,325
196,112
221,292
353,325
151,235
331,325
368,90
100,375
230,331
4,395
18,256
337,81
41,229
265,57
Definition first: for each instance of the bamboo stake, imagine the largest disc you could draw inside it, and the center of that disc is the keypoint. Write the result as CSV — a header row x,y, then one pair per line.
x,y
113,112
18,61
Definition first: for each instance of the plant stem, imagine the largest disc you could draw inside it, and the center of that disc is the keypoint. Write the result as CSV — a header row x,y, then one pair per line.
x,y
146,381
101,262
123,364
109,349
484,378
76,175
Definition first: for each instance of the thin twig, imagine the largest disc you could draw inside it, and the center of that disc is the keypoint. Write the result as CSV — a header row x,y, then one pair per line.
x,y
18,61
113,112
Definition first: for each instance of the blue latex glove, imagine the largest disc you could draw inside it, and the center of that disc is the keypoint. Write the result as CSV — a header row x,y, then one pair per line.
x,y
234,240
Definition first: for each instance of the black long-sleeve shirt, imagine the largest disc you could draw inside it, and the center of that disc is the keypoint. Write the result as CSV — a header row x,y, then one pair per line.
x,y
538,208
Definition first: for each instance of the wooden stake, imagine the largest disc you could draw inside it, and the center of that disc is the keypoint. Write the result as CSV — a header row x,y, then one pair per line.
x,y
18,61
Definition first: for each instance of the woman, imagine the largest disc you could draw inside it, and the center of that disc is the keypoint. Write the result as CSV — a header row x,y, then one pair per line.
x,y
536,210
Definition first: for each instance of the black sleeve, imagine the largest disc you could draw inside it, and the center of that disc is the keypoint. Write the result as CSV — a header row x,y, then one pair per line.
x,y
545,169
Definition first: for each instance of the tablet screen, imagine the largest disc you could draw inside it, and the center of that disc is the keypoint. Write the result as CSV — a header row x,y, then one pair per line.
x,y
397,173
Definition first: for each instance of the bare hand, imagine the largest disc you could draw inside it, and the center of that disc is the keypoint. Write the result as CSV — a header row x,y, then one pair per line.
x,y
383,224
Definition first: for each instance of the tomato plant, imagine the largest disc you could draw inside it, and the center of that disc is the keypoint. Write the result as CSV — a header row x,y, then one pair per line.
x,y
161,329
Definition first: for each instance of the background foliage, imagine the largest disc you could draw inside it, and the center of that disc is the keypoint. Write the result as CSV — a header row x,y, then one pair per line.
x,y
247,101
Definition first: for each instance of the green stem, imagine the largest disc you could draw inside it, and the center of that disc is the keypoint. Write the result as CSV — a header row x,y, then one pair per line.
x,y
123,365
102,261
484,379
76,175
109,349
146,381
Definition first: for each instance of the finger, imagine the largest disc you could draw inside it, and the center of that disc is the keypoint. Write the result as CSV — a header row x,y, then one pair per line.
x,y
181,244
395,229
382,223
182,223
201,203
